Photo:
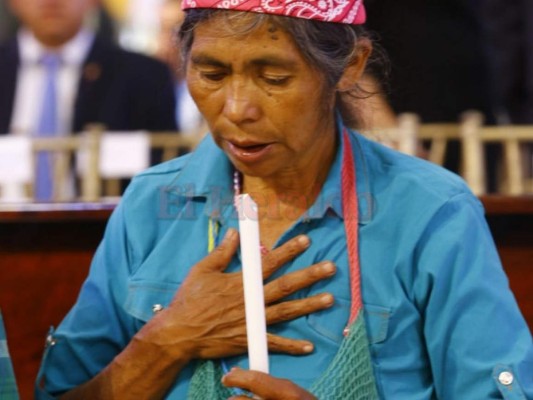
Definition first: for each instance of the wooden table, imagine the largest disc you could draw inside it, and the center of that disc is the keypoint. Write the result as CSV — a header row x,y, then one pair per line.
x,y
511,223
45,252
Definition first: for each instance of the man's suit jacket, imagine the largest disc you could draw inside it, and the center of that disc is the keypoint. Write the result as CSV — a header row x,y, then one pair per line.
x,y
123,90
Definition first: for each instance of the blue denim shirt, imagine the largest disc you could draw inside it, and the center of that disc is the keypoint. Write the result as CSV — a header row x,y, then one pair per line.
x,y
441,320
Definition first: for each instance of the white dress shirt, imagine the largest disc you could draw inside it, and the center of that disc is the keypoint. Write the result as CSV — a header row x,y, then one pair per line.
x,y
29,90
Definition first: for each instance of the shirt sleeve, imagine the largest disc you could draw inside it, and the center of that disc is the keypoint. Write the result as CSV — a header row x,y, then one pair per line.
x,y
96,329
478,342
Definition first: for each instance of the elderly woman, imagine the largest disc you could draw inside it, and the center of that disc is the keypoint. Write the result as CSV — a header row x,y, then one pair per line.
x,y
381,278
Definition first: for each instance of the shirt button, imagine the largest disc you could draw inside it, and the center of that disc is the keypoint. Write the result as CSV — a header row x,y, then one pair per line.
x,y
50,341
156,308
506,378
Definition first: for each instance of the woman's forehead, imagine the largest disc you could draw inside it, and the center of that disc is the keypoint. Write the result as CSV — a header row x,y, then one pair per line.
x,y
235,23
246,30
264,42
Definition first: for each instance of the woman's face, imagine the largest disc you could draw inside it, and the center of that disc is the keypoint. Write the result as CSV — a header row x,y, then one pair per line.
x,y
264,104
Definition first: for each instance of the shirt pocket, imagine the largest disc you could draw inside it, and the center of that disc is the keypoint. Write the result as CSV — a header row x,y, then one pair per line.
x,y
145,297
331,322
377,322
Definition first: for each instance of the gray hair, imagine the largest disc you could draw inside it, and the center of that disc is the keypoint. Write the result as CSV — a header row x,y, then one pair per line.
x,y
328,47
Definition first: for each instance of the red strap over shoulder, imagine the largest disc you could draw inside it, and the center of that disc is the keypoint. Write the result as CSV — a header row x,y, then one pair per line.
x,y
350,208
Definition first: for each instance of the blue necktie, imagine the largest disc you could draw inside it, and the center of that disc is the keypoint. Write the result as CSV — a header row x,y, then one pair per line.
x,y
47,127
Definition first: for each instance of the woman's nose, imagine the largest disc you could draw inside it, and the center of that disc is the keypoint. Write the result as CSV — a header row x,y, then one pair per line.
x,y
241,104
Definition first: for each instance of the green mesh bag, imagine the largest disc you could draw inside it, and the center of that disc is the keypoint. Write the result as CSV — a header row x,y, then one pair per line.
x,y
348,377
205,383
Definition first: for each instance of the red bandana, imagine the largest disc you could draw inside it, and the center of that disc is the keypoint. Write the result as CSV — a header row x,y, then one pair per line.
x,y
342,11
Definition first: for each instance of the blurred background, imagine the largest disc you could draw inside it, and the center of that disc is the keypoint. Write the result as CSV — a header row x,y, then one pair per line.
x,y
454,62
444,62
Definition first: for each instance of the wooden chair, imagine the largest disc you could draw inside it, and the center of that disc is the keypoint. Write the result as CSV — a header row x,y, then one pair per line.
x,y
409,133
173,144
168,144
16,168
64,150
86,149
401,137
516,161
412,137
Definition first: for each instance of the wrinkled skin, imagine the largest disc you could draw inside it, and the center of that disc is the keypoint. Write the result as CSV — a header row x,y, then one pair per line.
x,y
208,309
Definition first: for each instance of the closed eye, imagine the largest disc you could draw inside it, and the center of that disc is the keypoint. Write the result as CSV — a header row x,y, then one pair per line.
x,y
213,76
276,80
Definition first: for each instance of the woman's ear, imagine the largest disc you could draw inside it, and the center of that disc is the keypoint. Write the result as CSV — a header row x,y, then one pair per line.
x,y
355,69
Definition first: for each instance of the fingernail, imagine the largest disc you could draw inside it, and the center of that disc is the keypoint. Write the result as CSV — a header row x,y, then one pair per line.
x,y
326,299
308,348
230,234
304,240
328,267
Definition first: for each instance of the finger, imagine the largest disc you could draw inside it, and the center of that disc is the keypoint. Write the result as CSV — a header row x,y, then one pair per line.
x,y
284,253
252,381
264,385
220,257
289,310
294,281
297,347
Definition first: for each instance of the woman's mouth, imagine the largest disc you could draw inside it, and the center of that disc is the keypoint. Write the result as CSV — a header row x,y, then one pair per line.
x,y
248,152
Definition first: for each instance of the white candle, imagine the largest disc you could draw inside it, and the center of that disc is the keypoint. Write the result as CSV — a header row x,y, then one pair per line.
x,y
252,274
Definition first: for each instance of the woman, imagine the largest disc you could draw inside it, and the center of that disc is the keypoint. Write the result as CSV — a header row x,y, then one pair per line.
x,y
381,278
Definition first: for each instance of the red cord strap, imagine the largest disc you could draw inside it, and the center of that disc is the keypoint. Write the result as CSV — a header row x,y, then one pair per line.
x,y
350,209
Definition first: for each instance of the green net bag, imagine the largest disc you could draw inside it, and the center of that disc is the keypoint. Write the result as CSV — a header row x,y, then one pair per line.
x,y
348,377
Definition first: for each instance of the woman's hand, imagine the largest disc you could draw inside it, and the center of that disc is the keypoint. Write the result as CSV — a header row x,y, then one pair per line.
x,y
206,318
264,386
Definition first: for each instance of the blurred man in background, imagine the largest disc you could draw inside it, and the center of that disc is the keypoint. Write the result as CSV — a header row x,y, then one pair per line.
x,y
97,81
57,76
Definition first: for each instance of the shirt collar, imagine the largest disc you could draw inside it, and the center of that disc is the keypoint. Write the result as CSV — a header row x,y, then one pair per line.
x,y
73,52
330,197
208,174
